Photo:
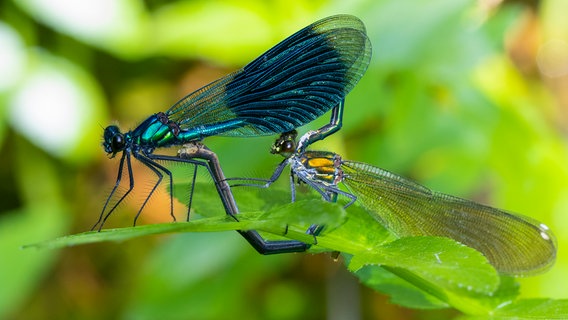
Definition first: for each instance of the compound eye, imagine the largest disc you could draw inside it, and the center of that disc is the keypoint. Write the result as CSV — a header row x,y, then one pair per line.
x,y
288,146
117,142
285,148
285,145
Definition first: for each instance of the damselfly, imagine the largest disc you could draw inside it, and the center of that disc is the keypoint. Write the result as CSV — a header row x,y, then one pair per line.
x,y
513,244
296,81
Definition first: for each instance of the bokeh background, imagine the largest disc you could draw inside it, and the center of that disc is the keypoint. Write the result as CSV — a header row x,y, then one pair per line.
x,y
467,97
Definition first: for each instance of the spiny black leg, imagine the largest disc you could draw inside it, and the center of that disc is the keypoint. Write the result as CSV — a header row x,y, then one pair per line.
x,y
267,182
191,192
196,163
117,183
156,167
150,165
333,126
314,230
200,151
131,179
292,186
267,247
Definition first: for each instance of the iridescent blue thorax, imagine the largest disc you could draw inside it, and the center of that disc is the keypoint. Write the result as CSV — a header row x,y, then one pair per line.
x,y
155,132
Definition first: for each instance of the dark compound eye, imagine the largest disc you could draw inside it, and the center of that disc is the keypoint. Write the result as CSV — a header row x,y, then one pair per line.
x,y
117,142
113,140
284,148
287,146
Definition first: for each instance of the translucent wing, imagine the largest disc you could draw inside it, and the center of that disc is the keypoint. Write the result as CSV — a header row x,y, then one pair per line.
x,y
514,244
290,85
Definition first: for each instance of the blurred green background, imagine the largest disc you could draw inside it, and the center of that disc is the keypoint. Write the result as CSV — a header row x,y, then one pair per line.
x,y
468,97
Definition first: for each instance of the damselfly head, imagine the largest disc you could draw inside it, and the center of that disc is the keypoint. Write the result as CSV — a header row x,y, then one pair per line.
x,y
114,140
285,145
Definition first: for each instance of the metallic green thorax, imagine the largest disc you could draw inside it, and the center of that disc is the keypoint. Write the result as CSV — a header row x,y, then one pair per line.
x,y
159,131
158,134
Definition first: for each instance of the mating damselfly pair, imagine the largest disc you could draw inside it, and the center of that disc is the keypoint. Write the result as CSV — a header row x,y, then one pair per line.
x,y
290,85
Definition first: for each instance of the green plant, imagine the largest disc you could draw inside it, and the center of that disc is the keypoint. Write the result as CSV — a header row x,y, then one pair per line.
x,y
417,272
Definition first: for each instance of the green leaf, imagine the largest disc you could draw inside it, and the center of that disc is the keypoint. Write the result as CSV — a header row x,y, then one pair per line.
x,y
360,232
447,273
417,272
440,260
305,213
534,309
121,234
401,292
275,221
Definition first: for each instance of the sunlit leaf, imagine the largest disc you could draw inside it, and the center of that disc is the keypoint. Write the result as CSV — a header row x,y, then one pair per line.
x,y
439,260
276,221
534,309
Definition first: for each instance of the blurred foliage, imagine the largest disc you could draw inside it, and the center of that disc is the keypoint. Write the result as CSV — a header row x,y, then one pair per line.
x,y
467,97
